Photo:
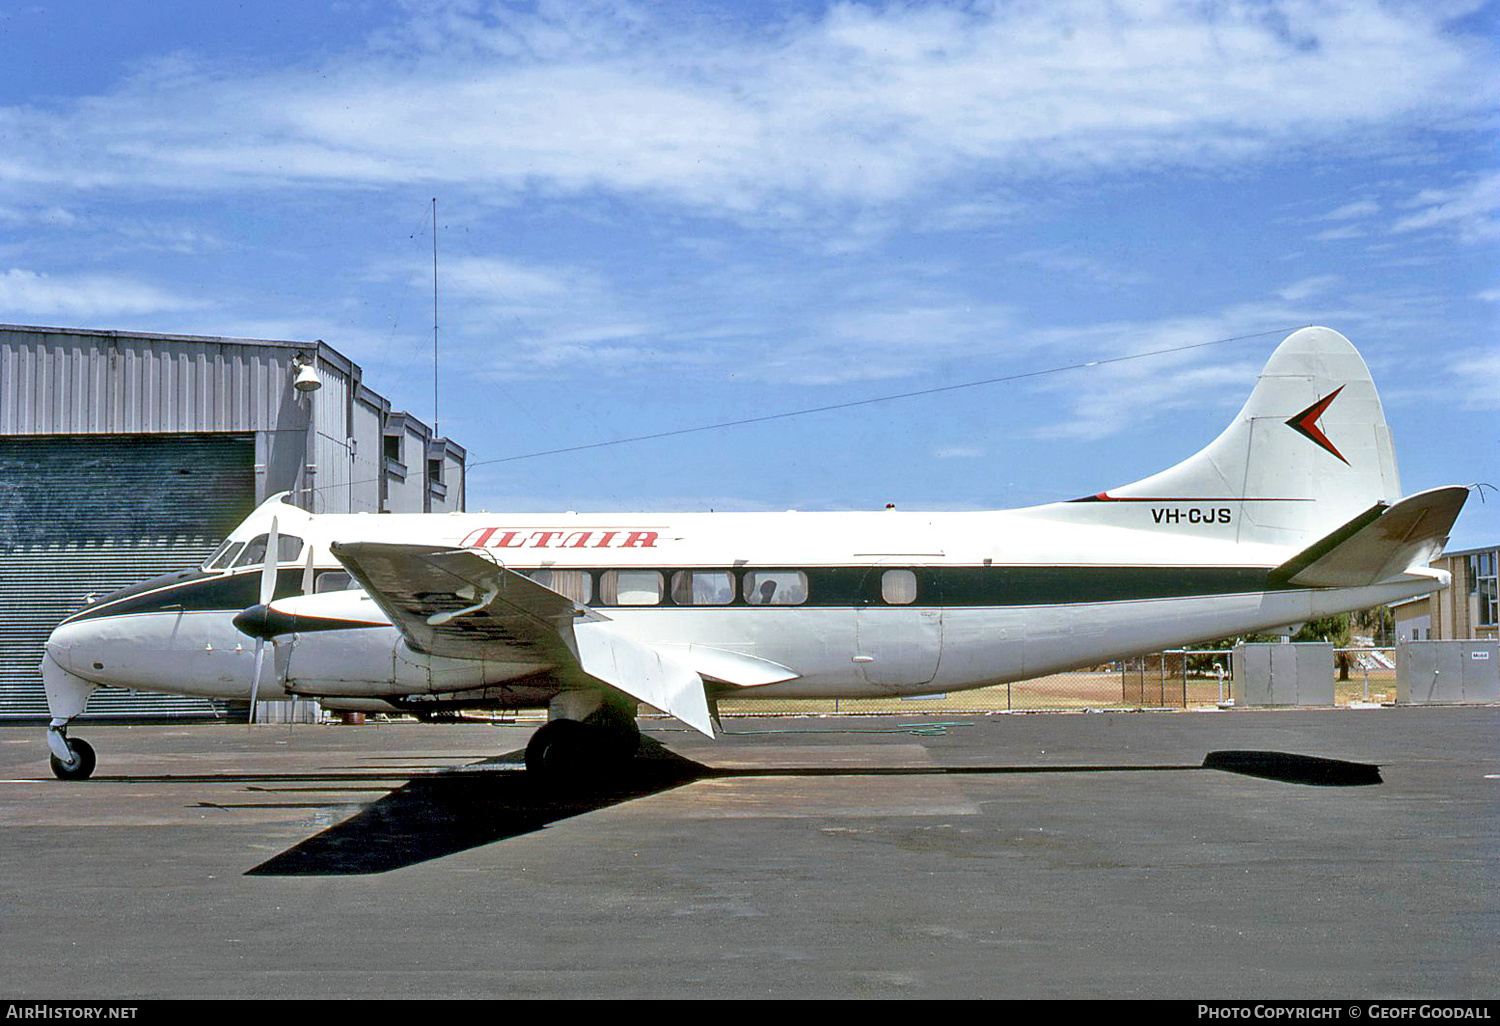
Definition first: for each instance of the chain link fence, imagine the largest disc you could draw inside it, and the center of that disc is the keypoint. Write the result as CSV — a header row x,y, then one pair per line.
x,y
1174,679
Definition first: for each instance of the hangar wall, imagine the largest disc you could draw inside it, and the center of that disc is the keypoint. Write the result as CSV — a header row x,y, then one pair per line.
x,y
124,455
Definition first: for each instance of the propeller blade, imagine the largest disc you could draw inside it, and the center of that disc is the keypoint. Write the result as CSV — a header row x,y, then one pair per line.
x,y
260,653
268,575
307,573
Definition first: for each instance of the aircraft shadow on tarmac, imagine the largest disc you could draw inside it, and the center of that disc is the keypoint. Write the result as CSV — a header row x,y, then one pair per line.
x,y
455,810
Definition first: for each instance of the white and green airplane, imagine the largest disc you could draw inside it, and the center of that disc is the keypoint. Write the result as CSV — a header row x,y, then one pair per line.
x,y
1294,512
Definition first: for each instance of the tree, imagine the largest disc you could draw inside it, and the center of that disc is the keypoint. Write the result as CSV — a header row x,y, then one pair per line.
x,y
1379,623
1336,629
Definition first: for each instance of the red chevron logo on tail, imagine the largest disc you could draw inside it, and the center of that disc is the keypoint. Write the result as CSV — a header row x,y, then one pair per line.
x,y
1306,423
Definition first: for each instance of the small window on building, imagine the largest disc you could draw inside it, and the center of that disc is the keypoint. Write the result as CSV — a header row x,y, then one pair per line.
x,y
435,471
630,587
1484,586
393,448
577,585
898,587
334,580
703,587
775,587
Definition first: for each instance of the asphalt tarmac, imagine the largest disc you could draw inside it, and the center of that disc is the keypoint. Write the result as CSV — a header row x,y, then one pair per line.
x,y
1084,855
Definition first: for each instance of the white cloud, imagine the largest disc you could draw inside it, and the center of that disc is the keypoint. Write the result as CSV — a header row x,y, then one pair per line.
x,y
1308,287
858,106
1112,398
1347,231
1474,375
1350,211
1471,209
507,281
525,320
55,217
1188,369
31,294
1077,265
867,339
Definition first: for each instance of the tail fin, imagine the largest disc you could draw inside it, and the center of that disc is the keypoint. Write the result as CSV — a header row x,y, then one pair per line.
x,y
1309,452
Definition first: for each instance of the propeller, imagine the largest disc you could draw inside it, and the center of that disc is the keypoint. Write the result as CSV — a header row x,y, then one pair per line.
x,y
267,593
307,573
260,621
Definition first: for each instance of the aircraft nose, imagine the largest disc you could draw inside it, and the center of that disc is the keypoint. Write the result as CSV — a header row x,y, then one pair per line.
x,y
66,643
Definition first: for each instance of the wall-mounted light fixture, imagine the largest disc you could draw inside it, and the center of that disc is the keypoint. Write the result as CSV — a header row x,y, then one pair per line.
x,y
307,379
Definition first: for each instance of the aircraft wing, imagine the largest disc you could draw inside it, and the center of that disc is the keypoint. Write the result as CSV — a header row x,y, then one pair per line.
x,y
458,603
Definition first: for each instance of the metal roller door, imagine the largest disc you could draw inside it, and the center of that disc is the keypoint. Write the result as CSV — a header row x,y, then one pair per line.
x,y
83,515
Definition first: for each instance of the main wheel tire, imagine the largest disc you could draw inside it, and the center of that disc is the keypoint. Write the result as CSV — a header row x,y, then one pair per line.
x,y
83,764
559,751
618,739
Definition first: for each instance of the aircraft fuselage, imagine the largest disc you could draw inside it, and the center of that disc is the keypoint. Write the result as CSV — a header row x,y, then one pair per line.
x,y
894,614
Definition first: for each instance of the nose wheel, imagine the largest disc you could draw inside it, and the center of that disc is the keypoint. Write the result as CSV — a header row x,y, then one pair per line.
x,y
80,762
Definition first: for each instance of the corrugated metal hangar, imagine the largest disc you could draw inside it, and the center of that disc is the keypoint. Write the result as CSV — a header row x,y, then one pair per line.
x,y
124,455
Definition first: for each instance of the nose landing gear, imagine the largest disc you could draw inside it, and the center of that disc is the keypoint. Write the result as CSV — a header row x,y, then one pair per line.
x,y
67,694
71,759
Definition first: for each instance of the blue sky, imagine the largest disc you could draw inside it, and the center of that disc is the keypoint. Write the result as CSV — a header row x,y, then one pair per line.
x,y
661,215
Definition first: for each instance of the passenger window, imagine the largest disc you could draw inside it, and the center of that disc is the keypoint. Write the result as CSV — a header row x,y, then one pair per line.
x,y
333,580
577,585
703,587
775,587
898,587
630,587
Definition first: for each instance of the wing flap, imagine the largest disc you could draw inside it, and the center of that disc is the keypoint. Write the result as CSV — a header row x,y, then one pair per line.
x,y
643,672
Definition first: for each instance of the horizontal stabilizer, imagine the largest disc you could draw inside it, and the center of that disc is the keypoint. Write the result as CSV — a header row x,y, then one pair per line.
x,y
1380,544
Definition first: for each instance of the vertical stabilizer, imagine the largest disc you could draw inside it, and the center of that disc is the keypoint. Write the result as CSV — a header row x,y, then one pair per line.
x,y
1309,451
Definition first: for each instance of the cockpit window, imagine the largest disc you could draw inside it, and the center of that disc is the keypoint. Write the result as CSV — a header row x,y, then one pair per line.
x,y
288,548
223,555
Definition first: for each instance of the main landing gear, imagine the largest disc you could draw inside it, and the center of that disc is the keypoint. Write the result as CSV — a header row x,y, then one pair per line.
x,y
580,750
72,759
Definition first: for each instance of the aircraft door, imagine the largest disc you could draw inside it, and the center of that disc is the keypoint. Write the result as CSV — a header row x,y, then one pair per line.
x,y
899,625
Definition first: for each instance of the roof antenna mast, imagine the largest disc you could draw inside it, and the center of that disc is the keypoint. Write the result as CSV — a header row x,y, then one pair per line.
x,y
434,321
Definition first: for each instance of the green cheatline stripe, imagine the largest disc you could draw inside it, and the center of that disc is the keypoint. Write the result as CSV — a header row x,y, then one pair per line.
x,y
856,587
